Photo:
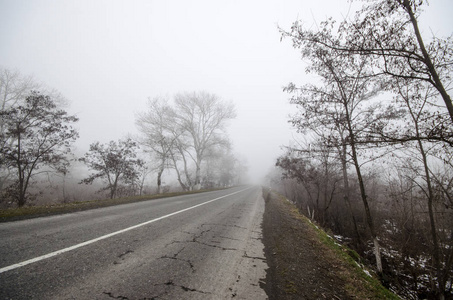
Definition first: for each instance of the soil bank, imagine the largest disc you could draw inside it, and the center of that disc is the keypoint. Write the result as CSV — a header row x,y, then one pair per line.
x,y
303,266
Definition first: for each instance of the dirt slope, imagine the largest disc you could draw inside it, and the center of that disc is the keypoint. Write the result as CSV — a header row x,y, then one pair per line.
x,y
303,266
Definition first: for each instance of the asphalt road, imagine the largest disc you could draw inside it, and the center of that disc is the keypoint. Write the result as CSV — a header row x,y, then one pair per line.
x,y
200,246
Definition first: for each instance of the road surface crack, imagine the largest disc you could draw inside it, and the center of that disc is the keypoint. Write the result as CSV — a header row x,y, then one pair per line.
x,y
121,256
125,253
230,238
196,237
175,257
115,297
214,246
184,288
176,242
253,257
126,298
225,225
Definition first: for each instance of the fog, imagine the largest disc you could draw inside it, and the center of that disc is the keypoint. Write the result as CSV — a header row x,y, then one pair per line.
x,y
108,57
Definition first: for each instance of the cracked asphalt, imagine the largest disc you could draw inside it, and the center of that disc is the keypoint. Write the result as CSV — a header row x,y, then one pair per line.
x,y
213,251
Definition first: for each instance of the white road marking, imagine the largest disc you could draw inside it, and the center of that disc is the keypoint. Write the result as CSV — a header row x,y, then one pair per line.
x,y
58,252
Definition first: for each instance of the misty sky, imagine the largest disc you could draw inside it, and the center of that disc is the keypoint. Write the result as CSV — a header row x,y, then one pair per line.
x,y
108,57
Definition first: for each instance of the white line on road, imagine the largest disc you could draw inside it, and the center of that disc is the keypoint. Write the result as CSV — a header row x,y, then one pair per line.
x,y
58,252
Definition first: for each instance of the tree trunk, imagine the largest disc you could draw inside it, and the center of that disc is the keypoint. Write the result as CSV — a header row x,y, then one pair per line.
x,y
436,247
430,197
197,185
159,181
189,185
346,193
21,200
178,174
369,218
326,186
64,187
113,188
21,172
427,59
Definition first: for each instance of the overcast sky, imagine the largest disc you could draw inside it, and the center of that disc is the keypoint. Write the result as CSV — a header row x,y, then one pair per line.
x,y
108,57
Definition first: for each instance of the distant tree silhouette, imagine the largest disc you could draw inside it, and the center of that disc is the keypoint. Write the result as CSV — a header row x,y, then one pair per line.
x,y
115,162
35,134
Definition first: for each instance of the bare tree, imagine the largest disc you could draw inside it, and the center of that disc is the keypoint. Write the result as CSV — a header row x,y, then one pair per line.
x,y
36,134
340,111
115,162
14,90
202,119
182,135
14,87
387,32
421,119
143,171
158,135
384,36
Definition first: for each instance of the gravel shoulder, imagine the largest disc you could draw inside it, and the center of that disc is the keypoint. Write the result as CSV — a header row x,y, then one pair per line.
x,y
304,263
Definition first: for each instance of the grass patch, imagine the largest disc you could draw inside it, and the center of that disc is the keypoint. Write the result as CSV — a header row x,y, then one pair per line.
x,y
290,288
28,212
356,273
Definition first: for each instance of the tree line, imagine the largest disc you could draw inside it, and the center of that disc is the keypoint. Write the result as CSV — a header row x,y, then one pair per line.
x,y
186,136
374,163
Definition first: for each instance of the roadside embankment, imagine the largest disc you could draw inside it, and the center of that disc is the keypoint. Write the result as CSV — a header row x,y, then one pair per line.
x,y
306,263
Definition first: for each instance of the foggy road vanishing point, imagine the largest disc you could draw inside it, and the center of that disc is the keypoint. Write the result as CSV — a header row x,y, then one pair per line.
x,y
199,246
